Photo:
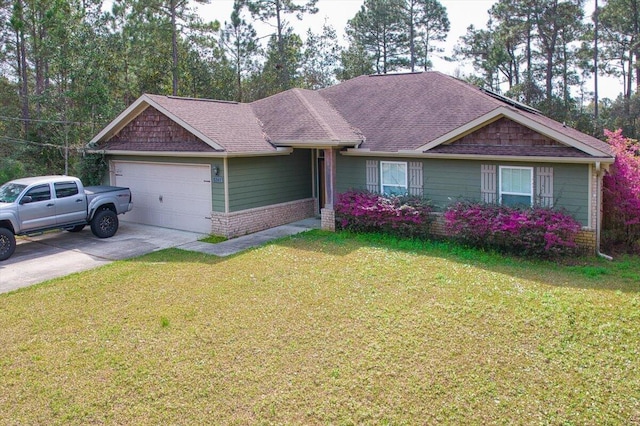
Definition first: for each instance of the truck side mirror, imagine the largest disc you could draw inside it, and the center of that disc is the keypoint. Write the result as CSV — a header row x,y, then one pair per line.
x,y
26,199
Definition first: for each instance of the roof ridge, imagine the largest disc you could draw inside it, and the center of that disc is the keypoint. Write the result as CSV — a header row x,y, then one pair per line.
x,y
514,103
477,90
183,98
353,128
314,113
396,74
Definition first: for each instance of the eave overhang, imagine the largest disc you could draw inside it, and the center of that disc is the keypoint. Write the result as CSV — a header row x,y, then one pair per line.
x,y
317,143
512,114
193,154
512,158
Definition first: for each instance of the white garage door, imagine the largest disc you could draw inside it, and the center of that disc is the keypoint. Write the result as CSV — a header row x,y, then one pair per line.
x,y
174,196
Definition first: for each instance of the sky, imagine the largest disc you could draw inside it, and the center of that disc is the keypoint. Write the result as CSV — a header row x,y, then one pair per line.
x,y
462,13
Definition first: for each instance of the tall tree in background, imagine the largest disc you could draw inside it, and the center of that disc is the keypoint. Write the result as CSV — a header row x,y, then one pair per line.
x,y
531,44
240,43
487,55
379,28
121,43
620,25
204,70
265,11
568,60
427,22
354,61
31,22
554,18
412,17
179,15
267,82
320,58
512,33
596,54
18,25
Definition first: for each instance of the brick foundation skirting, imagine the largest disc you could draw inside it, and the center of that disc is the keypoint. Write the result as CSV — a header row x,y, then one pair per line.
x,y
244,222
328,219
586,238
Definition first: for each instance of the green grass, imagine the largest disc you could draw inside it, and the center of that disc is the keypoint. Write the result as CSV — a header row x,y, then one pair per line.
x,y
326,329
213,239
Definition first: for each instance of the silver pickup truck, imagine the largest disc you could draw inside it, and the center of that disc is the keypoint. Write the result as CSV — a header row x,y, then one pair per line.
x,y
32,205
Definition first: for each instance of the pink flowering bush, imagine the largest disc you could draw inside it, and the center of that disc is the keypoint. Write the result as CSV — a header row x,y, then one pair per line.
x,y
621,195
362,211
538,231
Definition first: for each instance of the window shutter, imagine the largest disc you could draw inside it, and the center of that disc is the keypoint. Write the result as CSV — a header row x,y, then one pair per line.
x,y
373,182
544,186
415,179
488,183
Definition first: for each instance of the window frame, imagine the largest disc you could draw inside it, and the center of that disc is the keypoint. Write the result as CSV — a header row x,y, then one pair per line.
x,y
531,188
406,177
62,189
37,187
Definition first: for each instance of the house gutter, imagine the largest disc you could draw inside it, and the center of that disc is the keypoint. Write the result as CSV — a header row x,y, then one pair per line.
x,y
317,143
359,152
193,154
599,211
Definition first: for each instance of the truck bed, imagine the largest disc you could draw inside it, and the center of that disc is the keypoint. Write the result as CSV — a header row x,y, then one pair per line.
x,y
101,189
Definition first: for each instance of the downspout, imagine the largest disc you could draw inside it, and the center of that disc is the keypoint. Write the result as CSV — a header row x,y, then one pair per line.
x,y
599,211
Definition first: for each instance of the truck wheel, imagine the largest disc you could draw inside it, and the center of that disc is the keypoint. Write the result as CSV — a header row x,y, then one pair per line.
x,y
76,228
104,224
7,243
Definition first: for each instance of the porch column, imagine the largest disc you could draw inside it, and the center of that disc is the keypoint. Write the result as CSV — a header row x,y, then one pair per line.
x,y
327,213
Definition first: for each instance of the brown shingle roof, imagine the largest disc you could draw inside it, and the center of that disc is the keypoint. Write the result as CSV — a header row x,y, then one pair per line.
x,y
231,125
406,111
383,113
570,132
302,115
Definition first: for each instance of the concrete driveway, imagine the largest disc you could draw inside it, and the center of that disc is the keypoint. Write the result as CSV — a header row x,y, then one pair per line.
x,y
57,254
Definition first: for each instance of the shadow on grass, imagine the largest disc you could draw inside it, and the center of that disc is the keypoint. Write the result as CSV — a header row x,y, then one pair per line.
x,y
586,272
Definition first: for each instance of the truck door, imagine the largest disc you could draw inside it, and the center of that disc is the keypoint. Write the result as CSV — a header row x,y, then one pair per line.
x,y
40,211
71,205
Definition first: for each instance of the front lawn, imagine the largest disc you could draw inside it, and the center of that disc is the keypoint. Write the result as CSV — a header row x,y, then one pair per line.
x,y
326,329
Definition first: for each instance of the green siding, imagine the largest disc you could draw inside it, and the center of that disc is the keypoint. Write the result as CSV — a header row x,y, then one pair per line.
x,y
446,181
351,173
217,188
571,190
262,181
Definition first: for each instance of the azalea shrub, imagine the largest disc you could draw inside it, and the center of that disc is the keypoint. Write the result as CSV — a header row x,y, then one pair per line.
x,y
363,211
538,231
621,196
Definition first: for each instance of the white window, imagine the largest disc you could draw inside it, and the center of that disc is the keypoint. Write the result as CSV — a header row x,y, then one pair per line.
x,y
393,178
516,186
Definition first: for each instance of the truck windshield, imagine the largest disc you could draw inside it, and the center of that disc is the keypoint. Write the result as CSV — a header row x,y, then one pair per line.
x,y
10,191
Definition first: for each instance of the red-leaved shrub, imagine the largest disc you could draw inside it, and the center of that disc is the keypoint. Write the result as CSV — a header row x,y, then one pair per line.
x,y
540,232
621,195
363,211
